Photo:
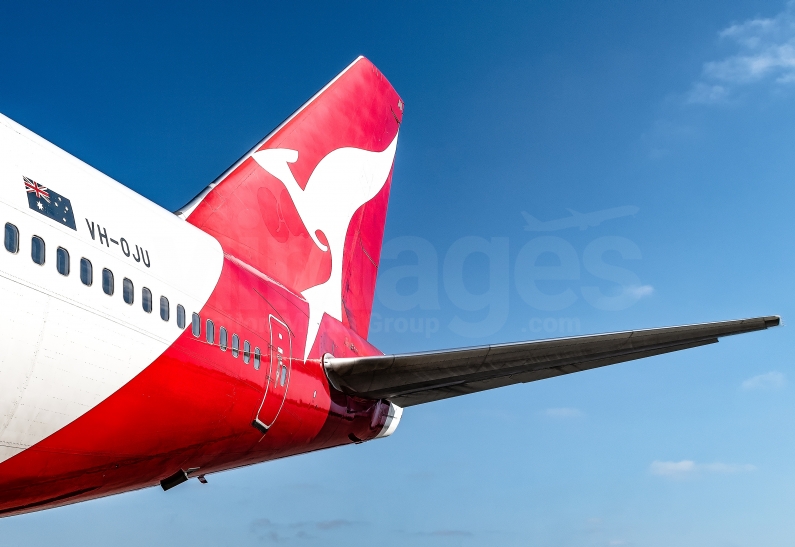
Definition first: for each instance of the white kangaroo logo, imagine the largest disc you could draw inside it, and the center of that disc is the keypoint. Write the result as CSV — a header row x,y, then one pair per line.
x,y
343,181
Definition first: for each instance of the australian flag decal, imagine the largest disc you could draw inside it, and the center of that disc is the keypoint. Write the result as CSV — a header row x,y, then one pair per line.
x,y
49,203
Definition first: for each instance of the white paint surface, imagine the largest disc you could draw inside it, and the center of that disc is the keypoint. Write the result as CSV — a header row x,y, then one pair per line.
x,y
67,347
343,181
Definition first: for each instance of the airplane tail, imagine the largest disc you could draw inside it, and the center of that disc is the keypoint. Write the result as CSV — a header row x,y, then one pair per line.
x,y
307,205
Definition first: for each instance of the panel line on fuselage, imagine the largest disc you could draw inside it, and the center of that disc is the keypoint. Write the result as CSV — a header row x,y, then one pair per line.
x,y
77,304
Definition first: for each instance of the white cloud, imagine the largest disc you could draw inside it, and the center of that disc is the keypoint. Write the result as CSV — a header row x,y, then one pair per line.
x,y
771,380
707,94
718,467
763,49
673,469
688,468
563,412
640,291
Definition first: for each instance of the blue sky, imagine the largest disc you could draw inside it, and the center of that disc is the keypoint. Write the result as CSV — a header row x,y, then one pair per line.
x,y
683,110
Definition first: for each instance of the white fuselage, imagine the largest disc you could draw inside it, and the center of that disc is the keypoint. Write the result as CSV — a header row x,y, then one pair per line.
x,y
67,346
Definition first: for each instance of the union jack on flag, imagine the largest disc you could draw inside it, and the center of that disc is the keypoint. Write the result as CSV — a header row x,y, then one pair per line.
x,y
49,203
36,188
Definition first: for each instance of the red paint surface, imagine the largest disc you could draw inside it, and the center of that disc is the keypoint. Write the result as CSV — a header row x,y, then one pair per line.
x,y
252,215
278,373
193,407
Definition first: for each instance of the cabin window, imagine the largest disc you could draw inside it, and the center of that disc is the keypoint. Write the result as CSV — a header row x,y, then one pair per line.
x,y
11,238
180,316
257,358
86,272
164,309
107,281
128,291
210,332
196,324
37,250
235,345
62,261
246,352
284,375
146,300
222,339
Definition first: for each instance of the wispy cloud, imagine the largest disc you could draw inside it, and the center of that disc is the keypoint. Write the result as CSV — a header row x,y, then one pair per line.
x,y
688,468
702,93
640,291
333,524
563,412
275,532
763,49
770,381
451,533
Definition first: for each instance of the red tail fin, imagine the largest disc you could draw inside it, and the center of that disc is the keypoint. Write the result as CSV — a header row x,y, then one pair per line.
x,y
307,205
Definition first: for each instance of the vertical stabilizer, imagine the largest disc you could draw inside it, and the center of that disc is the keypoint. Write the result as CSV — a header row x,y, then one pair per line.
x,y
307,206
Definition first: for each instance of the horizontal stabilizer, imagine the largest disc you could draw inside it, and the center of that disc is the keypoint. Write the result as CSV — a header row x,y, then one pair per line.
x,y
417,378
